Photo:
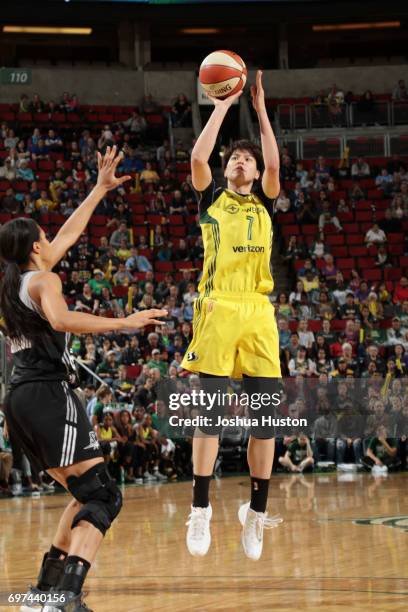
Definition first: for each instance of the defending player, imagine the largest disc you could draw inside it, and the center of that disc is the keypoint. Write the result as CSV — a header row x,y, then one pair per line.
x,y
43,414
235,332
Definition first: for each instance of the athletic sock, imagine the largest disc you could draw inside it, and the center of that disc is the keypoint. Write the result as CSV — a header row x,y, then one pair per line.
x,y
201,487
75,571
51,568
259,494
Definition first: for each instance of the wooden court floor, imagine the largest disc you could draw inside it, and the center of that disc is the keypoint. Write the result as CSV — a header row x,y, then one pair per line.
x,y
343,545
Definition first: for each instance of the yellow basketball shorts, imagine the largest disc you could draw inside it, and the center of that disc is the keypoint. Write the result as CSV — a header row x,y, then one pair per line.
x,y
234,334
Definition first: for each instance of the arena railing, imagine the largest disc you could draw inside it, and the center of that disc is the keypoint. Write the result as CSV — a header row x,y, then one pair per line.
x,y
308,116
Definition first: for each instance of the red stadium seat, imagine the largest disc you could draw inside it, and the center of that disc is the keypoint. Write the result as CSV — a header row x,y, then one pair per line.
x,y
373,275
339,251
183,265
336,239
133,371
366,262
344,264
164,266
120,290
392,274
358,251
290,230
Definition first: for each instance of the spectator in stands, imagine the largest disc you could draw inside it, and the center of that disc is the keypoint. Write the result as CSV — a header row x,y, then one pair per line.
x,y
178,205
400,93
325,432
24,172
294,250
283,203
366,106
39,150
396,333
8,170
137,263
136,125
318,248
53,141
98,282
375,236
122,233
287,169
402,312
329,270
11,140
181,112
122,276
24,104
149,176
382,258
335,102
44,204
148,105
306,213
384,181
322,169
301,364
397,207
350,309
306,337
328,218
389,224
299,455
123,252
182,252
85,301
356,193
401,291
381,451
360,169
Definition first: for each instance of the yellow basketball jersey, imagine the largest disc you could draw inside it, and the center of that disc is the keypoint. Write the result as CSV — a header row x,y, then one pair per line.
x,y
237,235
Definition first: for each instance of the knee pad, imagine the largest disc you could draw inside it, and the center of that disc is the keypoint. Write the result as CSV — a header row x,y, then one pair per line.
x,y
100,496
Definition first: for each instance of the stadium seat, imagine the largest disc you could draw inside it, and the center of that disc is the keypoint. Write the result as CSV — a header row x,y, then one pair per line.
x,y
133,371
120,290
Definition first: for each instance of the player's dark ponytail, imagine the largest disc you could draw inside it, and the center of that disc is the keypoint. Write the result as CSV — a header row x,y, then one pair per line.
x,y
16,242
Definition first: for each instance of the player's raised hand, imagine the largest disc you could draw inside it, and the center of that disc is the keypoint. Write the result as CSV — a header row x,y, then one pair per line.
x,y
107,168
227,102
146,317
257,93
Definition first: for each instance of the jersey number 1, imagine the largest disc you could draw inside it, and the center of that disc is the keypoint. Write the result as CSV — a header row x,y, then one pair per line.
x,y
251,222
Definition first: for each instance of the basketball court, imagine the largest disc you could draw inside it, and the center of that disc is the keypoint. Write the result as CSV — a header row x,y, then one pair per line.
x,y
343,544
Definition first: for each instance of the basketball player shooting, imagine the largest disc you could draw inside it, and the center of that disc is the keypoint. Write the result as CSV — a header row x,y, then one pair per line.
x,y
233,315
43,414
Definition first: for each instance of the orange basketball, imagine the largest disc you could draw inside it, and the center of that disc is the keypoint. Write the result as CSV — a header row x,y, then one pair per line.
x,y
223,73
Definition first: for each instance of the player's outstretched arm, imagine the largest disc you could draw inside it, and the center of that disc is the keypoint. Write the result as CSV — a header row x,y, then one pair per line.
x,y
200,170
46,290
77,222
270,151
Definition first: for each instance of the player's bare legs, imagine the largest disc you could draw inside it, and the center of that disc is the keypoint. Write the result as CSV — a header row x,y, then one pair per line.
x,y
205,451
260,456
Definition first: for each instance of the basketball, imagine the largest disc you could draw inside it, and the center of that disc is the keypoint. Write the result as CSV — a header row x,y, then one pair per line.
x,y
223,73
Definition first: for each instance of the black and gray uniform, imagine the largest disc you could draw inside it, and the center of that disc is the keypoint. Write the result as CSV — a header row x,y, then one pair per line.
x,y
44,415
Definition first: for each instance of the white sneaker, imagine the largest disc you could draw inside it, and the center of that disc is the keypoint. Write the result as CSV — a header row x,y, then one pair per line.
x,y
138,481
198,533
253,524
148,477
159,476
